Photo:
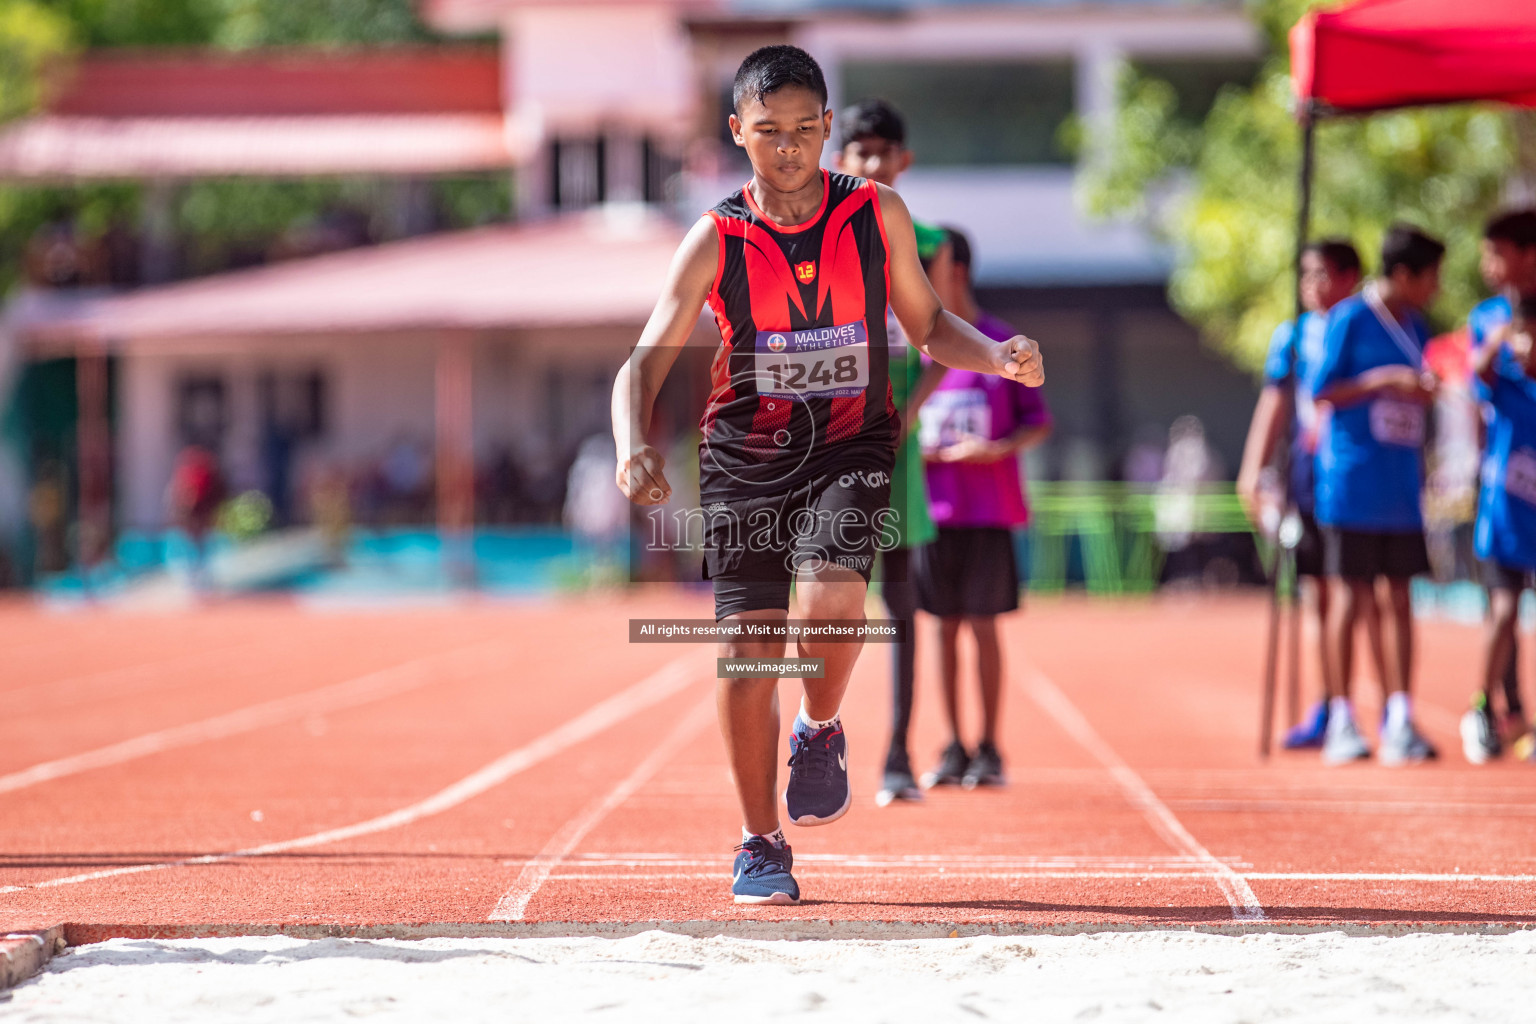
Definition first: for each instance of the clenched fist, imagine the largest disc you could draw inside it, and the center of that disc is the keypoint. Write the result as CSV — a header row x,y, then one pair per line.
x,y
1018,359
641,479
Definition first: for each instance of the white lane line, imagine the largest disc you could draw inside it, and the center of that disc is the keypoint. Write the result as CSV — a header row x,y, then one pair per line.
x,y
1190,876
656,687
514,902
338,696
1310,806
1245,905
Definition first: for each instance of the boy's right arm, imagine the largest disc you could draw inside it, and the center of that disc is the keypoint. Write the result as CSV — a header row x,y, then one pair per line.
x,y
689,281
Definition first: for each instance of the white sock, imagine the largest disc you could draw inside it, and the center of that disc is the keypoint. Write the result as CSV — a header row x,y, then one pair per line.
x,y
1338,707
1397,710
776,837
810,723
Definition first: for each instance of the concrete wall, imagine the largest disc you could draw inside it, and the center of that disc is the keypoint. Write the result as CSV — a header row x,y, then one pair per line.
x,y
537,393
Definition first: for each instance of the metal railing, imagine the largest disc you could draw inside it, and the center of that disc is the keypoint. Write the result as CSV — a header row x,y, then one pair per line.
x,y
1121,531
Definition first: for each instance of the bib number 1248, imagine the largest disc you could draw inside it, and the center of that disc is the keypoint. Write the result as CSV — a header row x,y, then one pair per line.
x,y
825,362
795,375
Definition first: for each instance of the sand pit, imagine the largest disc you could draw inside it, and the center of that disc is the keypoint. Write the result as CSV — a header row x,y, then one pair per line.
x,y
655,976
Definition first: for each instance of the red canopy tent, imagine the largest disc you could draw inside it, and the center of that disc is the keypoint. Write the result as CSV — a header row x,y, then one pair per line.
x,y
1377,55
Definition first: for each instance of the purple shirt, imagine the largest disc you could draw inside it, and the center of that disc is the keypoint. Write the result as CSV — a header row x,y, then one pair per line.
x,y
990,407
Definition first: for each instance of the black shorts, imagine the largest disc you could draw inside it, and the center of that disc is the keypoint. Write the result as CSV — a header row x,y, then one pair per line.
x,y
1496,576
1361,555
753,547
967,570
1309,549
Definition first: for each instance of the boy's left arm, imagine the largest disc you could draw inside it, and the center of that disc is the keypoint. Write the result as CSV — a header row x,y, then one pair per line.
x,y
933,330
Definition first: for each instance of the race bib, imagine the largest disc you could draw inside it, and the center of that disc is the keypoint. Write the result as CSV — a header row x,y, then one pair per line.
x,y
1397,423
825,362
1520,476
950,415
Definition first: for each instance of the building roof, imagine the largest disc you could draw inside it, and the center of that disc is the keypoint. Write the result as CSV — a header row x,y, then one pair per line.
x,y
484,15
200,113
209,83
597,268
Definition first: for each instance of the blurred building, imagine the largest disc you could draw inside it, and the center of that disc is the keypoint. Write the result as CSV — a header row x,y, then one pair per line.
x,y
619,105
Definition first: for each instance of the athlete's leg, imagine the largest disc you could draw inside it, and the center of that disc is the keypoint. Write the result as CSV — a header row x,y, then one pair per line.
x,y
749,723
989,667
1369,615
1315,600
1342,742
1400,608
830,592
949,671
1503,612
900,596
1348,598
1401,741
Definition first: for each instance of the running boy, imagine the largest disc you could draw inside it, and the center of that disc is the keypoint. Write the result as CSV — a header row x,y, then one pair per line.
x,y
874,146
799,431
1369,478
1509,268
973,429
1330,273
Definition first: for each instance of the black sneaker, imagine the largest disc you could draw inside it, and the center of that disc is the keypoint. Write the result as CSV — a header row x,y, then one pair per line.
x,y
818,791
985,769
762,873
897,782
951,767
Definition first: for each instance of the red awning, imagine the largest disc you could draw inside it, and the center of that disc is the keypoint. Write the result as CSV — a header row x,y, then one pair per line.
x,y
599,268
52,148
1377,54
280,113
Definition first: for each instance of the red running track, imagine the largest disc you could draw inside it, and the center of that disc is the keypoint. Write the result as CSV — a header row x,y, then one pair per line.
x,y
519,768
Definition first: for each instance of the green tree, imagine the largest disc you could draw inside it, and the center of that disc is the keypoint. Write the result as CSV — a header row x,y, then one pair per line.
x,y
1223,190
31,38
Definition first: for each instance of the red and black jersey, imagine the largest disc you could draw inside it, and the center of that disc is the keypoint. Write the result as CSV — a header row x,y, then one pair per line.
x,y
801,382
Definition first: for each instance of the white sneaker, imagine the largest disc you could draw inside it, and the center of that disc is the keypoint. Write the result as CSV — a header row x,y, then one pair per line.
x,y
1479,738
1402,744
1343,743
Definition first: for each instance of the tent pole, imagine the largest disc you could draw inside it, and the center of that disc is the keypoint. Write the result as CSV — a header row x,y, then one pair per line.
x,y
1283,597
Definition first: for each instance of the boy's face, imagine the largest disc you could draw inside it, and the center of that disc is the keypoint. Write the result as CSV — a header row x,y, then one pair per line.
x,y
1418,290
1495,263
877,159
783,134
1324,286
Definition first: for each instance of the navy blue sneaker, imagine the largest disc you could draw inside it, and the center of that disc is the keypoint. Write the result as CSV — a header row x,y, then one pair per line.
x,y
818,791
762,874
1309,733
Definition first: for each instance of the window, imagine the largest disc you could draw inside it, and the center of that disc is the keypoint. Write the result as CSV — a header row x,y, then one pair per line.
x,y
1197,81
973,112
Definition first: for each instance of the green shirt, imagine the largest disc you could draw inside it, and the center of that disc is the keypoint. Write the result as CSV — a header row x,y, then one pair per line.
x,y
909,483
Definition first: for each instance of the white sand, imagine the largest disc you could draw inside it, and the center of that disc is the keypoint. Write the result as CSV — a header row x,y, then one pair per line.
x,y
1146,976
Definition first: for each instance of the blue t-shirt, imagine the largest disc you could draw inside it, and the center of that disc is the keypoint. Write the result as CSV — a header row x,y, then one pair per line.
x,y
1486,317
1369,468
1286,356
1506,505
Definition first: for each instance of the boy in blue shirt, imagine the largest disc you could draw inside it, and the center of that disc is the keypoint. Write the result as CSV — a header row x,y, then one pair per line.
x,y
1509,268
1330,273
1370,475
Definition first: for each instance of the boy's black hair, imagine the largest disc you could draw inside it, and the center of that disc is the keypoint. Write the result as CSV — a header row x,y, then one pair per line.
x,y
1408,247
1338,253
771,68
872,118
959,249
1517,227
